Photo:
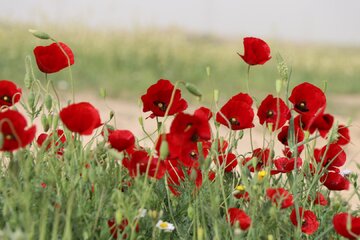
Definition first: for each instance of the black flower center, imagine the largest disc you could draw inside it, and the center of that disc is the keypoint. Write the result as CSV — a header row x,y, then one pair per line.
x,y
302,106
161,105
9,137
6,98
193,155
270,113
234,121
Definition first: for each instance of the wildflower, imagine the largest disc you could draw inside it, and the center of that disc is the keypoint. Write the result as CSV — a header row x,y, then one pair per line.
x,y
122,140
53,58
256,51
260,158
285,165
13,127
158,97
308,99
347,225
81,118
319,199
309,222
240,193
140,163
43,185
59,139
280,196
237,113
9,93
120,228
166,226
331,157
335,181
343,135
230,161
261,174
238,215
273,112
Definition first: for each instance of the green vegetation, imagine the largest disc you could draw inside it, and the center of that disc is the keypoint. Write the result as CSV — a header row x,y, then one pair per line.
x,y
125,63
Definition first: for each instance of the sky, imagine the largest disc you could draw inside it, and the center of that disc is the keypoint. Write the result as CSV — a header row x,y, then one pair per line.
x,y
330,21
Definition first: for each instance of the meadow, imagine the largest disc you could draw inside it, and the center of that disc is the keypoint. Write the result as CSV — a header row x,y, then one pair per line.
x,y
188,175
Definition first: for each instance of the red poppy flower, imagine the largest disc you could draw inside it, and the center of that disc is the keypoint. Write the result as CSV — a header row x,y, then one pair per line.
x,y
319,199
14,128
242,195
256,51
9,93
343,135
284,135
237,113
285,165
53,58
308,99
262,157
347,225
114,230
273,111
335,181
59,138
309,222
157,99
280,196
121,140
80,118
191,127
311,123
332,156
175,176
195,176
230,161
211,175
238,215
140,162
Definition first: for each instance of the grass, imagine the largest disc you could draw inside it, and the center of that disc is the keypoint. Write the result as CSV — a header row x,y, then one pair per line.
x,y
125,63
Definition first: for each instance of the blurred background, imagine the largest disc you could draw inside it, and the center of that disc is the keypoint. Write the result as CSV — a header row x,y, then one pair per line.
x,y
126,45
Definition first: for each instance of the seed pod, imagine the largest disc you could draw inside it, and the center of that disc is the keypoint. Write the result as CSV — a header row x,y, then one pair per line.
x,y
39,34
45,123
193,89
48,102
31,100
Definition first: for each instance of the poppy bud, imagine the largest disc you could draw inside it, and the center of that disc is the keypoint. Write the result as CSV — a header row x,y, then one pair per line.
x,y
48,102
31,100
164,149
278,85
193,89
216,95
103,92
44,122
190,212
118,216
28,79
55,121
39,34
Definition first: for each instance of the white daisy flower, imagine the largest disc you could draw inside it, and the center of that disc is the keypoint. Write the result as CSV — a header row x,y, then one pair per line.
x,y
166,226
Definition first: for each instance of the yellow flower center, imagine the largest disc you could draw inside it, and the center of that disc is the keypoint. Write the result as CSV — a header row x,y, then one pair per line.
x,y
240,188
164,225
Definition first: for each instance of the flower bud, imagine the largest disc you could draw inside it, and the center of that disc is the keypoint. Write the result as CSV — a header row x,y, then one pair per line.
x,y
48,102
193,89
39,34
164,149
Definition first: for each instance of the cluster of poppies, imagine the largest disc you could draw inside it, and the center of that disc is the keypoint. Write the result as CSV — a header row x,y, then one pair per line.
x,y
184,152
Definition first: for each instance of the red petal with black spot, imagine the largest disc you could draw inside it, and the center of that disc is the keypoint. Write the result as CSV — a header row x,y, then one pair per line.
x,y
273,111
53,58
238,216
280,196
237,113
15,131
80,118
9,93
308,99
256,51
347,225
121,140
335,181
157,99
309,222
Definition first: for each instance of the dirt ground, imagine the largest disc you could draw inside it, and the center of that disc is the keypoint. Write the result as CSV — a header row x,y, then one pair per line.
x,y
127,117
